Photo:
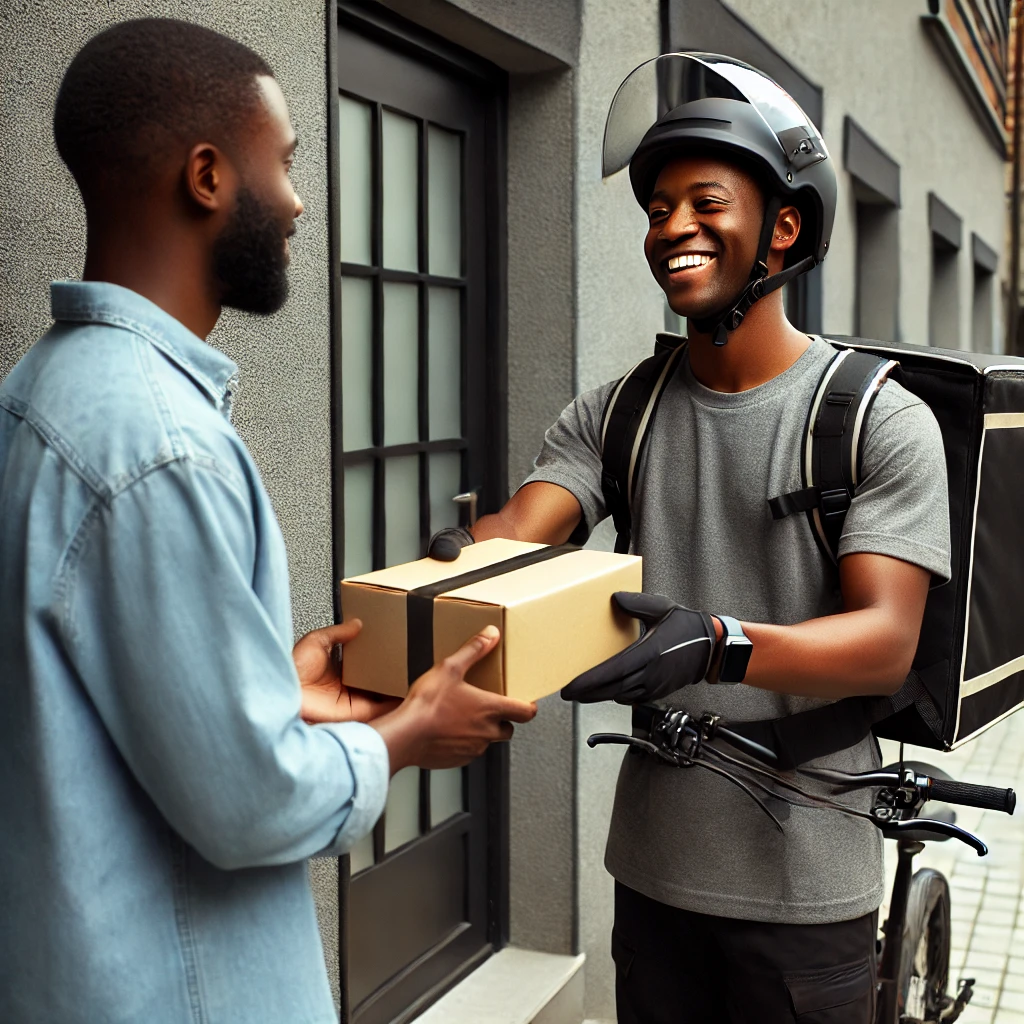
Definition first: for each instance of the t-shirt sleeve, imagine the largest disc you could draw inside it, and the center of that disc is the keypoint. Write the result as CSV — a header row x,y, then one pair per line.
x,y
901,506
571,453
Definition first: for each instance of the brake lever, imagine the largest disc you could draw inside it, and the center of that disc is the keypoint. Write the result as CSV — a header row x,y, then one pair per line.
x,y
892,829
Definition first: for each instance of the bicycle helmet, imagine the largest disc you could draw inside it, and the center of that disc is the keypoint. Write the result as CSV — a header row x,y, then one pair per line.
x,y
682,102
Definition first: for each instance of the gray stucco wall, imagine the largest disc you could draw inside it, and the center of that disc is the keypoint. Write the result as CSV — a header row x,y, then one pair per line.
x,y
540,381
282,412
619,308
915,110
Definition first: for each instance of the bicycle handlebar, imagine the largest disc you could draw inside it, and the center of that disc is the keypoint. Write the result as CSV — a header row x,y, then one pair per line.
x,y
988,798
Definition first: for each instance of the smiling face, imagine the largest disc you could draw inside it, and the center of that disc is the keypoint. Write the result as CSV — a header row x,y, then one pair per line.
x,y
704,220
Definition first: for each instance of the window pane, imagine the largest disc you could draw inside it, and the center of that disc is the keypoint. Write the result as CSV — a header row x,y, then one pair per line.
x,y
402,813
445,794
361,855
444,362
402,509
444,202
400,151
358,519
355,144
445,483
356,363
401,363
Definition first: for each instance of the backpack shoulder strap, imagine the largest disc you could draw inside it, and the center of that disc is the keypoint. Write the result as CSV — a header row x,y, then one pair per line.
x,y
833,444
624,427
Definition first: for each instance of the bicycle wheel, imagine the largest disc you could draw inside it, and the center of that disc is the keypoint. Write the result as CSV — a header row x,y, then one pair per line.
x,y
924,964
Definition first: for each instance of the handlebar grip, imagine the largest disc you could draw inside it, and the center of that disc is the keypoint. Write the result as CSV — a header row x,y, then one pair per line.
x,y
988,798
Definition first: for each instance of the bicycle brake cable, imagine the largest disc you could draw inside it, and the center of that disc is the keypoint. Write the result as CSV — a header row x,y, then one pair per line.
x,y
813,799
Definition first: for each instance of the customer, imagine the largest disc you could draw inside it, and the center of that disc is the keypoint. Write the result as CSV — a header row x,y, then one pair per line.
x,y
159,790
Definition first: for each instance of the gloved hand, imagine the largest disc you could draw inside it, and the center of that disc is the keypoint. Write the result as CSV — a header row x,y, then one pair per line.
x,y
446,544
674,650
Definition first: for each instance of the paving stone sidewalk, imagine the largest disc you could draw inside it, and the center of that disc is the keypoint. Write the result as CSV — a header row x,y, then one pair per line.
x,y
986,892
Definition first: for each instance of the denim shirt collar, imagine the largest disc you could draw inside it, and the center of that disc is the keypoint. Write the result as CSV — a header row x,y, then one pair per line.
x,y
104,303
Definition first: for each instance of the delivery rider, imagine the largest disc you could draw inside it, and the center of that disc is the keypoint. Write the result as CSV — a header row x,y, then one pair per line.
x,y
717,916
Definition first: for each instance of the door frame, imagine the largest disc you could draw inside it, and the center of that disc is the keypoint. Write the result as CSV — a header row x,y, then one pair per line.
x,y
373,20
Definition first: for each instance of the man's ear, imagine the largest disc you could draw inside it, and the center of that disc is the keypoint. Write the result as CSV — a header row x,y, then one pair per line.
x,y
787,229
206,177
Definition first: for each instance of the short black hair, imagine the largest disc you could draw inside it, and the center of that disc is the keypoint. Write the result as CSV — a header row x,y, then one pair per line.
x,y
142,89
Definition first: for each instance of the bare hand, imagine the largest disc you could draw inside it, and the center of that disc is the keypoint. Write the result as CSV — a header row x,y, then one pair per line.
x,y
324,699
446,722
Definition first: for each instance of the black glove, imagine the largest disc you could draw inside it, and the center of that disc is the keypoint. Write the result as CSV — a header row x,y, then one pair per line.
x,y
674,650
446,544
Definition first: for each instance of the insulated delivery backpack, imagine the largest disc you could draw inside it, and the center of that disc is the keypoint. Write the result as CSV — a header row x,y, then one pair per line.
x,y
968,672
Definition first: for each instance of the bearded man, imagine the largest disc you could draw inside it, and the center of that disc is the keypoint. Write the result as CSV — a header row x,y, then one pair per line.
x,y
160,786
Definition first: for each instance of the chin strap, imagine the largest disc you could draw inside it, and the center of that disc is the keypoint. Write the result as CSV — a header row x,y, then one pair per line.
x,y
758,285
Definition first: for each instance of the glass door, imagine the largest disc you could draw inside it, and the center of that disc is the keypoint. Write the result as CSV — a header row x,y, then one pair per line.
x,y
418,415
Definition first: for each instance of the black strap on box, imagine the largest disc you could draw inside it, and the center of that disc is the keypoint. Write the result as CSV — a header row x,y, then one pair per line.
x,y
419,603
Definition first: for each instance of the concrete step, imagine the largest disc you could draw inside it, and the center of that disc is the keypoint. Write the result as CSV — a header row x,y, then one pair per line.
x,y
515,986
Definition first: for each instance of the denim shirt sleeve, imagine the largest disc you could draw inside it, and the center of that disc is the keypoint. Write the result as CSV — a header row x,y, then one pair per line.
x,y
195,685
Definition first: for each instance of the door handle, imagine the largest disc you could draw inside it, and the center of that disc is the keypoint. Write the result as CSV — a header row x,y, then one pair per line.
x,y
468,500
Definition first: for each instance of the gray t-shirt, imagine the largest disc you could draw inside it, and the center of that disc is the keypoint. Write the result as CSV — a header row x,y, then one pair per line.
x,y
702,524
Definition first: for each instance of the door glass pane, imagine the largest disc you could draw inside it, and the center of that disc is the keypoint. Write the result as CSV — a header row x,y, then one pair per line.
x,y
444,362
445,794
401,509
444,202
445,483
400,152
356,363
355,144
361,855
358,519
402,813
401,363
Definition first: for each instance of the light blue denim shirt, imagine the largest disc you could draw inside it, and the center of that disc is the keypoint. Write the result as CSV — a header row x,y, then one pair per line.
x,y
159,794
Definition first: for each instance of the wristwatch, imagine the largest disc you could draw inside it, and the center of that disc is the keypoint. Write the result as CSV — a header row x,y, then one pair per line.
x,y
736,651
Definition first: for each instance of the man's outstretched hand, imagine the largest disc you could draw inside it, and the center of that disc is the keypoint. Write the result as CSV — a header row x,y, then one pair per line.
x,y
324,699
674,651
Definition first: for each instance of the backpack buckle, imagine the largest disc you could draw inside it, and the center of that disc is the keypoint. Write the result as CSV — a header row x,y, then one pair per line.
x,y
835,502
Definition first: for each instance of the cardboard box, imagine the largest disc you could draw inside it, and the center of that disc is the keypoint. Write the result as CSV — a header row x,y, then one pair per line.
x,y
556,616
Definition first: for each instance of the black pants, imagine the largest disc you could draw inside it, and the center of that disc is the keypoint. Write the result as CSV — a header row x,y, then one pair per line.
x,y
676,967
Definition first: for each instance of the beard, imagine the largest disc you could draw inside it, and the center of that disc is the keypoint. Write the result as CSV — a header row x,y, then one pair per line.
x,y
250,262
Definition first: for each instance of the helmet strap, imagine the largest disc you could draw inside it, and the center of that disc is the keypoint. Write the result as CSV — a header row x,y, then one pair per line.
x,y
758,284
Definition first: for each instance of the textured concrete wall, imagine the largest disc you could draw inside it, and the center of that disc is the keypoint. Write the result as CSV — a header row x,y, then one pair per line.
x,y
540,384
619,308
619,305
282,410
914,109
521,36
551,27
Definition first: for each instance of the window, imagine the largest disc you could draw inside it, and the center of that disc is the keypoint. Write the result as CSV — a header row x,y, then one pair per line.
x,y
418,420
944,298
875,180
985,261
878,272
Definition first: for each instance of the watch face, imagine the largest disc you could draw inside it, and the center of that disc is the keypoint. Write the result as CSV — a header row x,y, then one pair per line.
x,y
735,658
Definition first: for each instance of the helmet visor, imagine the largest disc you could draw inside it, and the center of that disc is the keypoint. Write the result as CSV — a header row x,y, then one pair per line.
x,y
660,85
